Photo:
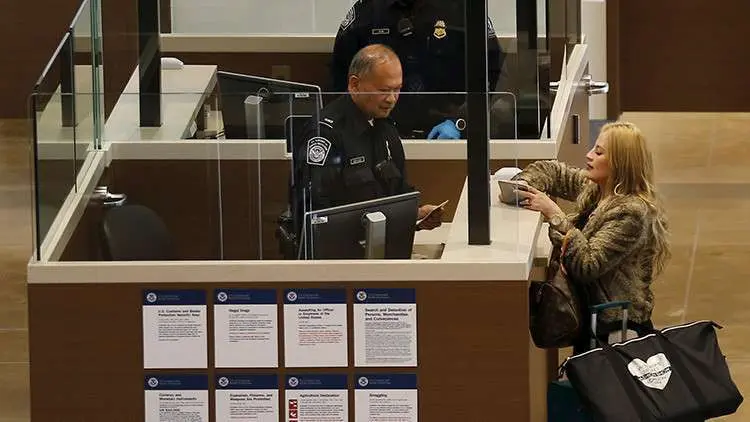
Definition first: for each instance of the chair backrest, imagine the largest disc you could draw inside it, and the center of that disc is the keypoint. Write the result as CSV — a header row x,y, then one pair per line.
x,y
135,233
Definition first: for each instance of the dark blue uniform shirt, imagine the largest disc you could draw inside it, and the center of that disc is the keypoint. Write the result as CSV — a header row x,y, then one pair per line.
x,y
429,37
345,158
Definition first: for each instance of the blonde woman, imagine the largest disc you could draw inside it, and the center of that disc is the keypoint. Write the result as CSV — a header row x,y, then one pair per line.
x,y
616,240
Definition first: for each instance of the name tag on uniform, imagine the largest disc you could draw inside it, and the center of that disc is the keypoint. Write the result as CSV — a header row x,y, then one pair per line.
x,y
357,160
380,31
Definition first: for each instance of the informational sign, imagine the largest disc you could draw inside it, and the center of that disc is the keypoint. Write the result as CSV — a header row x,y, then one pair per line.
x,y
385,327
176,398
315,328
174,329
246,328
385,398
316,398
247,398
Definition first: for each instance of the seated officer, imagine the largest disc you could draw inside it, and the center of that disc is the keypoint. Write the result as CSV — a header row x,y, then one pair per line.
x,y
354,152
429,38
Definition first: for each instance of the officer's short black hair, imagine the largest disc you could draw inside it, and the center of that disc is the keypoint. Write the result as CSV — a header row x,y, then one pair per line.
x,y
370,56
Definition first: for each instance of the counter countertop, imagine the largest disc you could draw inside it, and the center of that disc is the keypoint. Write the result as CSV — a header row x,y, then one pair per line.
x,y
275,149
513,236
183,93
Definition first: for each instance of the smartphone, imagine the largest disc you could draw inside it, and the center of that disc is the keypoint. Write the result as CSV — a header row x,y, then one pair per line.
x,y
508,189
439,207
513,184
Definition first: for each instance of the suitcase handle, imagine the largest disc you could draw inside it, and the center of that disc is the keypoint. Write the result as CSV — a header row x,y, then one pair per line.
x,y
595,309
622,304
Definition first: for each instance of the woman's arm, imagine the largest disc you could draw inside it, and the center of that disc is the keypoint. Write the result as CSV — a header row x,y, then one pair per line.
x,y
555,178
623,230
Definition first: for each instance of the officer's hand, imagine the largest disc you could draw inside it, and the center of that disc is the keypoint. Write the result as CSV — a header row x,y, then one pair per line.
x,y
445,130
434,216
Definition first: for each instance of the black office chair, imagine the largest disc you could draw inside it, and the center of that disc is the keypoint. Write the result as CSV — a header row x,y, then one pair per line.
x,y
135,233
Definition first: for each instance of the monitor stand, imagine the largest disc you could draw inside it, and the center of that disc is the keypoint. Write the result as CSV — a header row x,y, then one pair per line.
x,y
374,223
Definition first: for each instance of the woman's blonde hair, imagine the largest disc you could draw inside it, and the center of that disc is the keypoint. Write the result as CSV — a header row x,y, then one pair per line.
x,y
632,173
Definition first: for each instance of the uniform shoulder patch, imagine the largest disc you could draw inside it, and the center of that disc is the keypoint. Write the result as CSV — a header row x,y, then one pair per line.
x,y
326,122
317,150
490,29
350,17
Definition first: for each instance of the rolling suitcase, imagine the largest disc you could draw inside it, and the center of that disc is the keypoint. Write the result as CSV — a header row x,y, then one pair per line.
x,y
563,404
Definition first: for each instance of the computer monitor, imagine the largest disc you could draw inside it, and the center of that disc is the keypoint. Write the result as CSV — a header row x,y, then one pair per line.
x,y
379,228
254,107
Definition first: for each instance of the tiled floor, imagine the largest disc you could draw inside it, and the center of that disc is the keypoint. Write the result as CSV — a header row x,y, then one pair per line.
x,y
15,249
703,171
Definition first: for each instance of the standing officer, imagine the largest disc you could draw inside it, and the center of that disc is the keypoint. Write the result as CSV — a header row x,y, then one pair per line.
x,y
429,38
354,152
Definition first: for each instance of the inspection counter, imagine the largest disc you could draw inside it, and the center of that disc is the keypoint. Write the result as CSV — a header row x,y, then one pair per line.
x,y
220,200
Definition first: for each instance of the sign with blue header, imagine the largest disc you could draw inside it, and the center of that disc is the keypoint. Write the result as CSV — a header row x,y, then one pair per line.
x,y
315,328
174,329
316,382
385,327
385,296
176,397
386,382
247,398
246,328
316,398
245,297
314,296
175,382
247,382
173,297
391,397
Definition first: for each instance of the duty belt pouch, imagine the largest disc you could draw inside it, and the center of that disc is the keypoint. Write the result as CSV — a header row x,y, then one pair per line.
x,y
389,175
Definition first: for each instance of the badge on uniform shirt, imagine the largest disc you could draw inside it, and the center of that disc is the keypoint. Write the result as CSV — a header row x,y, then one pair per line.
x,y
357,160
380,31
439,32
348,19
317,150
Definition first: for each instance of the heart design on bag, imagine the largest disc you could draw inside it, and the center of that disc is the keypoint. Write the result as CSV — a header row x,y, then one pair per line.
x,y
654,373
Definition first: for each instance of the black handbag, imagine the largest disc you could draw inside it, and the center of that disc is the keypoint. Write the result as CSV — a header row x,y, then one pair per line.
x,y
555,317
554,312
674,374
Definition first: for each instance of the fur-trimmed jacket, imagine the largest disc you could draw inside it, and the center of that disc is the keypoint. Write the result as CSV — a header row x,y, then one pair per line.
x,y
610,245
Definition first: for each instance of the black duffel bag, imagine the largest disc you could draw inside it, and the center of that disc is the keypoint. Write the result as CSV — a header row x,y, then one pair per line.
x,y
674,374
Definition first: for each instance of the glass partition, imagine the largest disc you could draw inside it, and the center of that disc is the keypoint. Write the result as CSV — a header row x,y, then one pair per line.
x,y
229,170
83,51
535,35
97,86
308,186
179,182
52,107
258,121
65,113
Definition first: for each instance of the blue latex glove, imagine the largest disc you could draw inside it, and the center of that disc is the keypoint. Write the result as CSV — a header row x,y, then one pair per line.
x,y
445,130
